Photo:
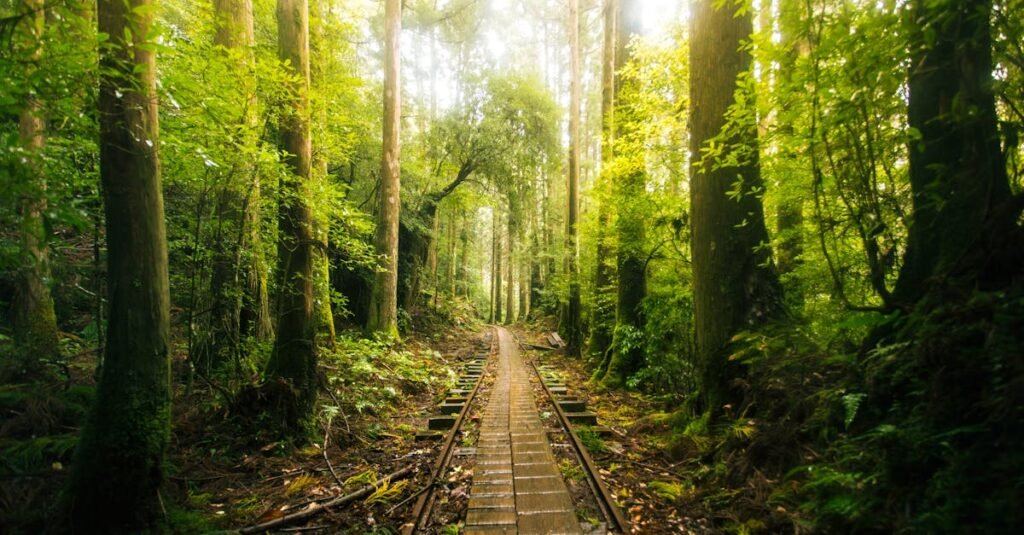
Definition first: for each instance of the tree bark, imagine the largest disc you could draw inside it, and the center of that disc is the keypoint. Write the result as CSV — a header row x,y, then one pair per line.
x,y
384,302
323,307
435,235
510,290
630,182
789,216
33,317
735,285
574,309
293,360
453,274
603,321
962,214
118,466
496,274
241,304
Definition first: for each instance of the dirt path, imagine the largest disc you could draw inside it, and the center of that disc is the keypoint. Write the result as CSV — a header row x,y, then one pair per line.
x,y
517,486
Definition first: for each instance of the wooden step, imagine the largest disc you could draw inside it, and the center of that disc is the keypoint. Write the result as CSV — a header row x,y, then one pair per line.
x,y
582,418
441,422
572,405
427,435
451,408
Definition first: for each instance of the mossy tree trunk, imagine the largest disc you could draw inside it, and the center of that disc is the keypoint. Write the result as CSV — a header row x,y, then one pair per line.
x,y
384,301
626,356
118,465
735,285
234,32
602,321
33,317
959,293
963,210
573,328
510,277
789,216
323,308
496,272
293,359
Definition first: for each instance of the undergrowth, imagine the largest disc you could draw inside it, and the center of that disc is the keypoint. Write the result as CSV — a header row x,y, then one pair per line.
x,y
921,432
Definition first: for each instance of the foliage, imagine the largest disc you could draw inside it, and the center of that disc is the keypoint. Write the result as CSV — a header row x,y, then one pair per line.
x,y
367,373
591,439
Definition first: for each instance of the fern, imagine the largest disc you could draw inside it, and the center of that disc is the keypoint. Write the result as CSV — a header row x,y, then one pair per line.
x,y
851,402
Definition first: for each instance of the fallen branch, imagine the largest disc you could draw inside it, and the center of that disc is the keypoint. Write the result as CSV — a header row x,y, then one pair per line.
x,y
409,499
540,347
318,508
327,435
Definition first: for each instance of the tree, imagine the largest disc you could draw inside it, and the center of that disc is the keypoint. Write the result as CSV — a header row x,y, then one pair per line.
x,y
496,253
963,210
119,462
237,206
384,301
789,216
293,360
603,314
574,310
957,300
627,354
735,285
34,320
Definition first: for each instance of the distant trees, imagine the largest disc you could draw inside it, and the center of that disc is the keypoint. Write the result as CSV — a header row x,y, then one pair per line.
x,y
735,286
119,461
384,302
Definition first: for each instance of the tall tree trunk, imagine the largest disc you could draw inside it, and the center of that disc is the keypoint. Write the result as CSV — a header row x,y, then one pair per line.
x,y
324,309
535,258
494,265
496,276
33,317
574,309
789,216
510,290
234,32
435,231
735,286
453,273
524,283
959,288
603,315
294,356
118,465
240,300
626,356
958,156
384,302
461,271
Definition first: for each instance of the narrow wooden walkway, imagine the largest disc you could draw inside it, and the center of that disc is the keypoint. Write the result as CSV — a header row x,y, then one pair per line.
x,y
517,487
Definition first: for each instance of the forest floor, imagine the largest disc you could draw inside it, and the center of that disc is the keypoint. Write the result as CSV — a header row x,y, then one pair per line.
x,y
225,476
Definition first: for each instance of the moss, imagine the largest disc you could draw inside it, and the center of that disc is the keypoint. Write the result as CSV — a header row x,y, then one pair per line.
x,y
119,464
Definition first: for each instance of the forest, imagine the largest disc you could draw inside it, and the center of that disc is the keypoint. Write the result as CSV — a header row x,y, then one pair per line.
x,y
511,266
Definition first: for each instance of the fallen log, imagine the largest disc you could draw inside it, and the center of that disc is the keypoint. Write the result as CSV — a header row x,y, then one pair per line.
x,y
317,508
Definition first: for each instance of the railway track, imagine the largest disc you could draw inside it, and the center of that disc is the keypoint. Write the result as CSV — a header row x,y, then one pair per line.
x,y
517,486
